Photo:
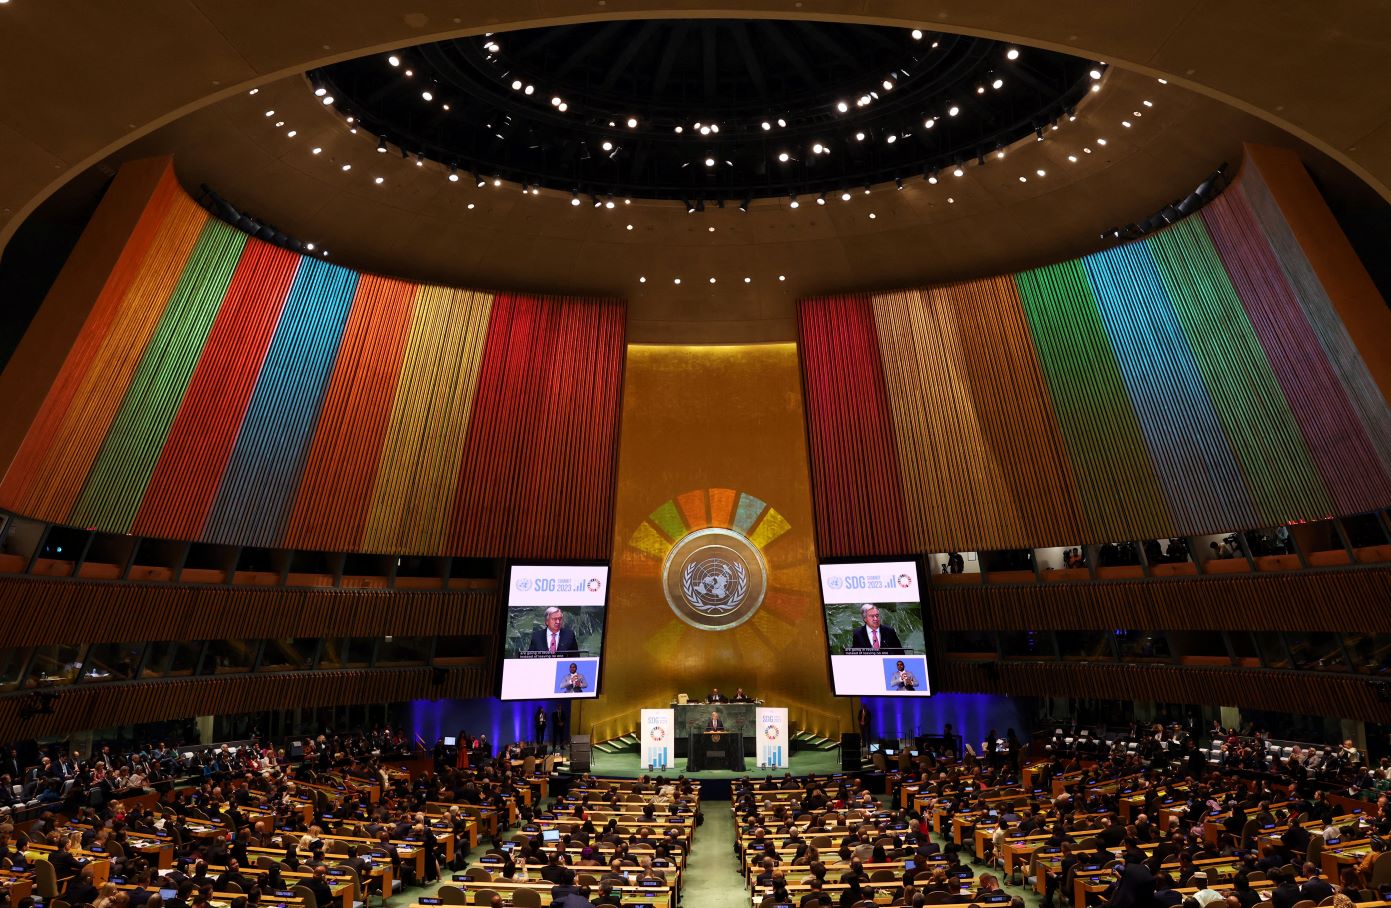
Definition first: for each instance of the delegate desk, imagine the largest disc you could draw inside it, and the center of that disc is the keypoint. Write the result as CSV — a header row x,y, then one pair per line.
x,y
715,750
739,718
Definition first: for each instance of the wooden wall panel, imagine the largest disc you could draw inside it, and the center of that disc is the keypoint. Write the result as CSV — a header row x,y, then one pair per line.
x,y
1314,601
124,704
1284,691
66,611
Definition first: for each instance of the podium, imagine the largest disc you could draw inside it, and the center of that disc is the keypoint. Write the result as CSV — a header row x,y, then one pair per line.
x,y
739,718
715,750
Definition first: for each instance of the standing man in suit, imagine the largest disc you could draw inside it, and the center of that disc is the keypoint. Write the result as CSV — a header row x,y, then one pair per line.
x,y
554,637
715,723
873,635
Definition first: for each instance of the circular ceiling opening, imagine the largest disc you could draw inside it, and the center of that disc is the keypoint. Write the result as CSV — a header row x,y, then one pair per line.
x,y
705,110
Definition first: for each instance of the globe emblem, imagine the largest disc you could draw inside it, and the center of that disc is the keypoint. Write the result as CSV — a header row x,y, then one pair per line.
x,y
716,585
523,585
715,578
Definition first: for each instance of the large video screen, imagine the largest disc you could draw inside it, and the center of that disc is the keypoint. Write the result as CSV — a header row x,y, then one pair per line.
x,y
554,637
874,627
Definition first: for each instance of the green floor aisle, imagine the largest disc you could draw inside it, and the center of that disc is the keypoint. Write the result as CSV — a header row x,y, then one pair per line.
x,y
712,875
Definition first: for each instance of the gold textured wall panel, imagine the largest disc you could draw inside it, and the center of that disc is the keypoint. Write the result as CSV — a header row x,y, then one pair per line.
x,y
714,436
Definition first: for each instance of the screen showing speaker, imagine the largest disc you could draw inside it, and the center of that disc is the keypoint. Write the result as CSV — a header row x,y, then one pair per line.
x,y
875,630
554,637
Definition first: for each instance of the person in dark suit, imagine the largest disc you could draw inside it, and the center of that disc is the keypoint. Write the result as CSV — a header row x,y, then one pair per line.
x,y
872,634
716,696
715,723
554,637
1134,885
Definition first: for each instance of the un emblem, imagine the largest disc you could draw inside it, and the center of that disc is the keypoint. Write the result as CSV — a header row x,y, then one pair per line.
x,y
714,579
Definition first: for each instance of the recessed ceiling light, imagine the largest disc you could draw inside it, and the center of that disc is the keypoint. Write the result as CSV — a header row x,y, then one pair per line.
x,y
958,172
1041,172
917,34
998,84
872,215
781,122
632,122
607,146
748,280
951,201
470,206
842,106
1101,141
1095,74
1096,86
327,100
953,110
712,280
379,180
1125,123
292,133
529,90
704,130
783,157
709,162
315,150
929,123
347,167
1023,179
1072,158
394,60
676,280
767,126
782,277
712,229
642,280
254,91
630,226
1012,54
270,113
1148,103
427,95
1163,81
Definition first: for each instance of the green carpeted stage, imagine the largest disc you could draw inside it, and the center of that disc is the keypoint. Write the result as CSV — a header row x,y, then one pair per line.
x,y
624,764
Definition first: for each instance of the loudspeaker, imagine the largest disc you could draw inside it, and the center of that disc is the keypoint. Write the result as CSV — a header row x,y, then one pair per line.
x,y
579,739
579,756
849,752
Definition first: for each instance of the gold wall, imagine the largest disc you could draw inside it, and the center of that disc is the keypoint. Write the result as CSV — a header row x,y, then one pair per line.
x,y
713,436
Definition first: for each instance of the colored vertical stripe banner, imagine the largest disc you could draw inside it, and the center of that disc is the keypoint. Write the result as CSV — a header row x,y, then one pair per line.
x,y
224,390
1198,380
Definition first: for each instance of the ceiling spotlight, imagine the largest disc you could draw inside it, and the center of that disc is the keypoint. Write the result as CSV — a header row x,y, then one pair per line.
x,y
562,107
1101,141
709,162
292,133
315,150
555,101
680,130
420,159
929,123
1096,86
381,145
932,177
453,173
409,73
529,90
782,122
980,89
690,207
254,91
1125,123
1042,173
704,130
309,246
320,92
845,196
917,34
872,215
998,84
575,197
712,280
608,203
632,122
1012,54
859,137
892,138
1023,179
607,146
1038,134
744,205
953,110
958,171
1000,153
630,226
782,277
1148,103
783,157
1095,74
748,280
821,199
888,85
642,280
270,113
492,47
842,106
898,183
715,127
379,180
818,148
516,84
394,60
1072,158
427,95
497,181
676,280
347,167
767,126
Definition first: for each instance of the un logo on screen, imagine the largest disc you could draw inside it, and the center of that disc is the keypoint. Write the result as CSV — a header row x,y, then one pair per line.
x,y
714,579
